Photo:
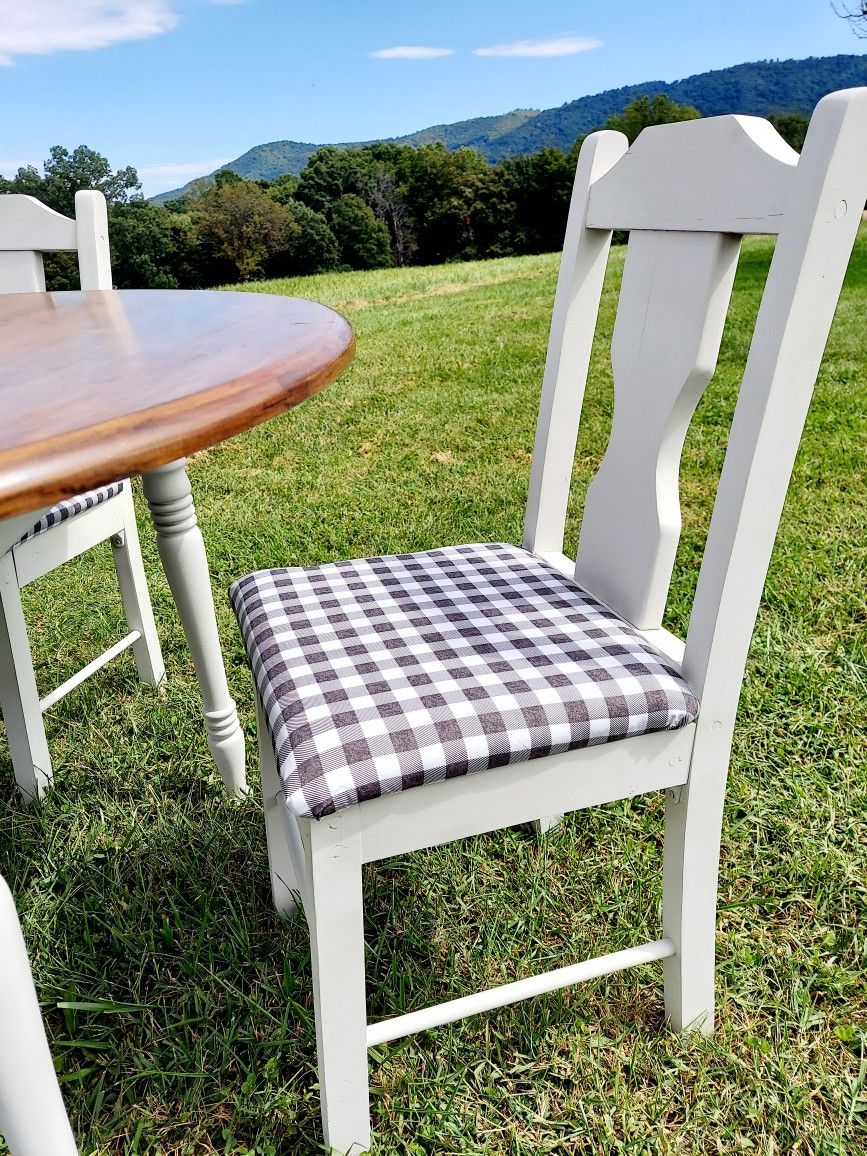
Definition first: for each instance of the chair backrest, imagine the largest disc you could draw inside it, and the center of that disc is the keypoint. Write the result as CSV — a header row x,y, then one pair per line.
x,y
687,193
28,229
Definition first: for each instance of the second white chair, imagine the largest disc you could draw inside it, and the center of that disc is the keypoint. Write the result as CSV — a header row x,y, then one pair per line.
x,y
384,683
27,230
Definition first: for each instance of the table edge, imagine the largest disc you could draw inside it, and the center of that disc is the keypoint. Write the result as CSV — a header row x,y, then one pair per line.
x,y
43,473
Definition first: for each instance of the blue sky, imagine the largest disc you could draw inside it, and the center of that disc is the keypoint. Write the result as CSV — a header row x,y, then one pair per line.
x,y
177,87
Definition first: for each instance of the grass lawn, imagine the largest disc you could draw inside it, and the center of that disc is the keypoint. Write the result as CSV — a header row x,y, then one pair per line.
x,y
179,1008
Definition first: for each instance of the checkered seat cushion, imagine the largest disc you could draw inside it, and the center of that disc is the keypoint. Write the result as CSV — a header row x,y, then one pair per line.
x,y
382,674
69,507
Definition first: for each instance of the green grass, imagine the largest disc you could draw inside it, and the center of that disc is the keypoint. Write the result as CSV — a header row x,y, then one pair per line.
x,y
179,1008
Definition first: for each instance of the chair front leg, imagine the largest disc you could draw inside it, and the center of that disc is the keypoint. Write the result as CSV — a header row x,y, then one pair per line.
x,y
33,1119
285,887
693,828
549,823
19,696
136,598
337,950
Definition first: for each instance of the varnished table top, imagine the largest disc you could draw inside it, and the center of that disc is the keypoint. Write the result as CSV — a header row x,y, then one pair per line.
x,y
98,385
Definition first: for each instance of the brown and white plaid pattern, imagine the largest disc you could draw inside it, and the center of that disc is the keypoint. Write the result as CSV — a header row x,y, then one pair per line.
x,y
382,674
69,507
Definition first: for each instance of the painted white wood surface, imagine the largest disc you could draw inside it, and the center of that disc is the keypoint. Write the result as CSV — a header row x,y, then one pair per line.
x,y
737,176
19,696
508,993
720,174
520,792
797,308
337,955
134,594
33,1119
91,237
27,229
182,552
28,225
286,882
673,303
21,273
576,307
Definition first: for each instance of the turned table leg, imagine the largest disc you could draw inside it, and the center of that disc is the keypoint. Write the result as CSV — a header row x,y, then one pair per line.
x,y
182,551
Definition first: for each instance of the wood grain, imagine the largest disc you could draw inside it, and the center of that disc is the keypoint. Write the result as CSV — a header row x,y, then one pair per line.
x,y
96,386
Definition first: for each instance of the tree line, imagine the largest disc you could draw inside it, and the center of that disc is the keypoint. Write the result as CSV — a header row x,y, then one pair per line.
x,y
357,208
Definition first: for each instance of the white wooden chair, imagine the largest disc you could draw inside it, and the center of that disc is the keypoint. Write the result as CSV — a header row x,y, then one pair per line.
x,y
381,683
33,1120
27,230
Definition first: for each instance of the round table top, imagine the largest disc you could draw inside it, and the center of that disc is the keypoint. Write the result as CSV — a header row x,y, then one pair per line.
x,y
98,385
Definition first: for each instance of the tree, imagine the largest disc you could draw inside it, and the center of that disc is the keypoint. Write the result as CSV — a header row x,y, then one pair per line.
x,y
283,189
439,188
241,230
66,173
144,241
856,14
363,239
226,177
645,112
388,203
792,127
26,181
329,174
313,248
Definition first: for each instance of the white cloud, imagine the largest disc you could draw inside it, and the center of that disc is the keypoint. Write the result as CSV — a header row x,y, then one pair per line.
x,y
160,178
410,52
38,27
556,46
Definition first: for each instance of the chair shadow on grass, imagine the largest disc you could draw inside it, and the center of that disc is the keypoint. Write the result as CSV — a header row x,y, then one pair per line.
x,y
186,1011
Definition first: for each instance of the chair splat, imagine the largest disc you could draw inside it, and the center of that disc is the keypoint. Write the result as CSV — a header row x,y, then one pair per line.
x,y
673,303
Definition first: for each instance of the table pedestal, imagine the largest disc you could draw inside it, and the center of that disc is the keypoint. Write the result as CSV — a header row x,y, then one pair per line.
x,y
182,552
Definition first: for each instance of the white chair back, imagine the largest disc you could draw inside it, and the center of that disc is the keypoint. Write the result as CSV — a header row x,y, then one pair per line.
x,y
28,229
687,193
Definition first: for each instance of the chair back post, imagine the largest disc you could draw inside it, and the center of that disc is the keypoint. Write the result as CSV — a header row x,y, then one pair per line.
x,y
687,193
91,231
576,306
794,319
28,229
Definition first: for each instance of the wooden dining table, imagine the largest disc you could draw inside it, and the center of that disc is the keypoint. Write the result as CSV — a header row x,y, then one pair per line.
x,y
101,385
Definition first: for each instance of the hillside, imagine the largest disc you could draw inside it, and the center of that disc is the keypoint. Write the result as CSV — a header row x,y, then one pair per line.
x,y
760,88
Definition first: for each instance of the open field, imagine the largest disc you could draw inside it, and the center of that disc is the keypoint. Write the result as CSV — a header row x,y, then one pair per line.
x,y
179,1008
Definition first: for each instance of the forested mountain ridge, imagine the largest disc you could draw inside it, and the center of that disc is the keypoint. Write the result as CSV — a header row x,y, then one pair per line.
x,y
764,88
266,162
760,88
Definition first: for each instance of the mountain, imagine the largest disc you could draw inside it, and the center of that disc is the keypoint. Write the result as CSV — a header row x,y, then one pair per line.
x,y
760,89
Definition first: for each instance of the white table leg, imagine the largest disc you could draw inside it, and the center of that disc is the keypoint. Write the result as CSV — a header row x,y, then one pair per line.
x,y
182,552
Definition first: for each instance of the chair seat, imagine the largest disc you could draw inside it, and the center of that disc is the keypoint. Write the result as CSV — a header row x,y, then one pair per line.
x,y
382,674
69,507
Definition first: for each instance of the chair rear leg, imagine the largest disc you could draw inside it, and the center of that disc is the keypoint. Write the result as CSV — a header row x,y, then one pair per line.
x,y
337,950
693,826
285,888
549,823
32,1116
19,696
136,596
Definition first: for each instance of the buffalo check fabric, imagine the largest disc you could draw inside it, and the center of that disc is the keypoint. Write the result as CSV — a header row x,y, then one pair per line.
x,y
383,674
69,507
